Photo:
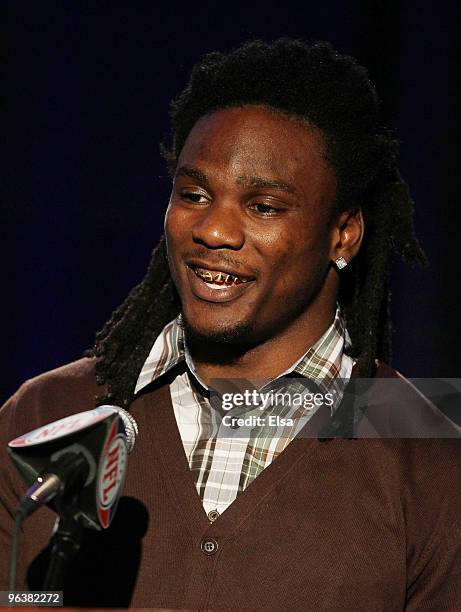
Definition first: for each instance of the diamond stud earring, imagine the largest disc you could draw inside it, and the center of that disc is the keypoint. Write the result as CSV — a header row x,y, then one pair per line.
x,y
340,263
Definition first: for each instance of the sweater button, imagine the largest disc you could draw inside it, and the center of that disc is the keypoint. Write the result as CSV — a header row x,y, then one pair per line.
x,y
213,515
209,546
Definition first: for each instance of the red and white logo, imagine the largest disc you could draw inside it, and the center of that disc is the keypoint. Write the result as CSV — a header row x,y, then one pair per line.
x,y
113,471
111,475
61,428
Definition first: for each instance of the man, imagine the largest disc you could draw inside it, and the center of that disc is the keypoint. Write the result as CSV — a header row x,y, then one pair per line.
x,y
285,208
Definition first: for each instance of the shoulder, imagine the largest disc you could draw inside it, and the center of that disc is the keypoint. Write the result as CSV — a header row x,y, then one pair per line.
x,y
76,370
391,406
43,399
50,396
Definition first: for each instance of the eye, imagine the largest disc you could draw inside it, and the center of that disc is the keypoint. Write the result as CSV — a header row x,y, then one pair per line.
x,y
265,210
191,196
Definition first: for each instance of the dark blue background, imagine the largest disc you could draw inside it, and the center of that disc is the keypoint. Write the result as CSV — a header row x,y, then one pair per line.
x,y
88,87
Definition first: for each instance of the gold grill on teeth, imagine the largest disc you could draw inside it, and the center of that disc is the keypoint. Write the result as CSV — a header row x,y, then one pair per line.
x,y
218,278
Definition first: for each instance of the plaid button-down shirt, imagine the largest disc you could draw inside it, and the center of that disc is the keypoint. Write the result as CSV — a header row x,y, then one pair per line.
x,y
222,459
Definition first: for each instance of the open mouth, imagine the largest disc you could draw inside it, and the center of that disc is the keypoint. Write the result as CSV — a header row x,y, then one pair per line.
x,y
217,279
216,285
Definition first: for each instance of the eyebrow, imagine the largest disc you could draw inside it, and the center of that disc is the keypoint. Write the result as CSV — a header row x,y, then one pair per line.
x,y
192,173
265,183
246,181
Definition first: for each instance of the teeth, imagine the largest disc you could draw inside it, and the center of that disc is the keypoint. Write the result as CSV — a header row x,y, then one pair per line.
x,y
219,278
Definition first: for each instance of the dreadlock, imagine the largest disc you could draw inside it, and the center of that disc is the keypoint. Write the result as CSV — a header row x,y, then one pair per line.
x,y
331,91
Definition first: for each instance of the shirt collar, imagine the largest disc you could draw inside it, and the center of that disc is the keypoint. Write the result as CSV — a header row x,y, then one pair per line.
x,y
322,362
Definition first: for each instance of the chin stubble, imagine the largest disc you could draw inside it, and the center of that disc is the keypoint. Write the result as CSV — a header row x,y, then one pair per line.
x,y
220,346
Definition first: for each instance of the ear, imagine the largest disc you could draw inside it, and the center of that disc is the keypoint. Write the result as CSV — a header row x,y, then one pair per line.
x,y
347,235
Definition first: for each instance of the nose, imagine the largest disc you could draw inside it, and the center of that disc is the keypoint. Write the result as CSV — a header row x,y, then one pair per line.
x,y
220,226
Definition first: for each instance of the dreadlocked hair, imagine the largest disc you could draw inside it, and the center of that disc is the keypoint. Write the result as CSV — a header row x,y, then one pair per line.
x,y
312,83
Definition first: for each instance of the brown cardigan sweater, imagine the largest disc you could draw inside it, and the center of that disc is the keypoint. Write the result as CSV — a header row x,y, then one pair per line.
x,y
343,525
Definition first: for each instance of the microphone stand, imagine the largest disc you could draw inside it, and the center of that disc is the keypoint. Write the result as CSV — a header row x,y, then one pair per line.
x,y
65,545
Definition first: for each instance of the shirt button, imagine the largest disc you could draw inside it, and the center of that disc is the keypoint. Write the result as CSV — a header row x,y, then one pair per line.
x,y
209,546
213,515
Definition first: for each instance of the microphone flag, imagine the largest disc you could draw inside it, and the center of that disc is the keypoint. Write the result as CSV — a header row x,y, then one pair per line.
x,y
100,437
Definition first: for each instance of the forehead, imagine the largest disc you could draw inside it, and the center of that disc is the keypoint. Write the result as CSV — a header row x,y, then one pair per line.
x,y
257,141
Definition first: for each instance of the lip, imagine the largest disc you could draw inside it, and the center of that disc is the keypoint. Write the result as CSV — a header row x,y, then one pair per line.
x,y
201,290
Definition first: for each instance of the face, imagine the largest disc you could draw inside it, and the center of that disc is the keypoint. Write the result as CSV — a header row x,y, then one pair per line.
x,y
249,225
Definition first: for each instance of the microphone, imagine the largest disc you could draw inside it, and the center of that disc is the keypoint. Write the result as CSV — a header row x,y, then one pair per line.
x,y
77,464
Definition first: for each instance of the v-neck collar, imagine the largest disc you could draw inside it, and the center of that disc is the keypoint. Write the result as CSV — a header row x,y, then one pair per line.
x,y
179,479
